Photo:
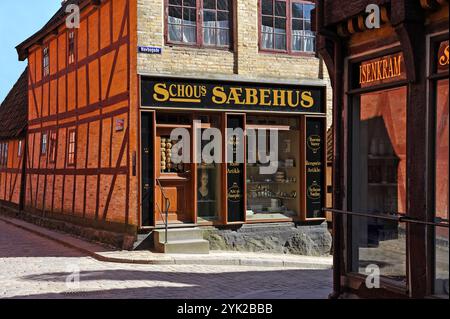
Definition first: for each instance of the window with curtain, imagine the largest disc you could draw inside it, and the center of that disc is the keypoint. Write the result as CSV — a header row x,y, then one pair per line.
x,y
286,26
216,22
211,28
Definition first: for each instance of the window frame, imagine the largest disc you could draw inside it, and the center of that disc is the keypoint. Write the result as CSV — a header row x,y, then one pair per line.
x,y
289,18
19,149
43,151
69,53
45,57
69,143
199,44
3,154
52,146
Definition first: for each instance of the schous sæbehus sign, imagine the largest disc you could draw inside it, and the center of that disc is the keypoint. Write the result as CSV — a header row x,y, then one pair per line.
x,y
230,96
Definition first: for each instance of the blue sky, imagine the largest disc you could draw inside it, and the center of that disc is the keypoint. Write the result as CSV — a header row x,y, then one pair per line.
x,y
19,19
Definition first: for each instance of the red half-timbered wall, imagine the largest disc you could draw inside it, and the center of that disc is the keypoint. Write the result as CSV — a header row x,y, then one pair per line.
x,y
90,97
11,173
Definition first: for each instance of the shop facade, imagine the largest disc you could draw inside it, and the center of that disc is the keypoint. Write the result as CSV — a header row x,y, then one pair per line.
x,y
391,193
228,190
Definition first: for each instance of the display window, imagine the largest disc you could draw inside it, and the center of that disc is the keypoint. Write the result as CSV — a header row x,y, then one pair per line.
x,y
275,195
379,182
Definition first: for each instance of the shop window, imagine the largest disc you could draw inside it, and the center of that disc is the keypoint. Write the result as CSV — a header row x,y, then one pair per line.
x,y
379,182
184,24
286,26
442,186
209,177
52,147
71,147
71,48
275,195
45,62
44,143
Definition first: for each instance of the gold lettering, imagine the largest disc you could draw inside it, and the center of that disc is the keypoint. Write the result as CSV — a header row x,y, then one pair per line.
x,y
398,66
219,96
161,93
265,97
234,96
251,96
445,58
291,99
307,100
279,97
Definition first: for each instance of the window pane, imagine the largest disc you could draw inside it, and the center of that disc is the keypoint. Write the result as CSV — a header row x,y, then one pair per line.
x,y
267,7
307,25
209,18
223,5
280,41
176,2
190,3
280,8
223,37
297,10
267,40
189,16
223,19
307,8
267,22
379,182
297,24
189,34
441,186
209,36
175,15
280,25
297,43
209,4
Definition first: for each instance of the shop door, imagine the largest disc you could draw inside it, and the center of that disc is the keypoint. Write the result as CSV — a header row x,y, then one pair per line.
x,y
174,183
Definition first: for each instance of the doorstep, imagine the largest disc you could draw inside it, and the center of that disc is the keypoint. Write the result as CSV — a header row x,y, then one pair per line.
x,y
221,258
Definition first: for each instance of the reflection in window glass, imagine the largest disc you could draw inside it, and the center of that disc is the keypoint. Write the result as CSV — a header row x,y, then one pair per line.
x,y
379,182
442,157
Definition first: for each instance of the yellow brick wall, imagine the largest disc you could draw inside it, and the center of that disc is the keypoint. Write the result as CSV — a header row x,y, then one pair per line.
x,y
247,62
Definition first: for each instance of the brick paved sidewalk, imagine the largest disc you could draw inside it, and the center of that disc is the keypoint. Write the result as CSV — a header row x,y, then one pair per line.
x,y
102,253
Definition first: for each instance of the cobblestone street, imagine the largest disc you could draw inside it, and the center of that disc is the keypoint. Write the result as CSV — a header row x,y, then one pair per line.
x,y
34,267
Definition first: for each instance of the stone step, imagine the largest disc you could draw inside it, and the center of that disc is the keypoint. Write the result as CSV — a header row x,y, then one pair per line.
x,y
192,246
177,234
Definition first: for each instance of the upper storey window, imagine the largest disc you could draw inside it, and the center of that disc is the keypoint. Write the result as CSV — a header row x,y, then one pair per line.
x,y
202,23
45,62
71,49
285,26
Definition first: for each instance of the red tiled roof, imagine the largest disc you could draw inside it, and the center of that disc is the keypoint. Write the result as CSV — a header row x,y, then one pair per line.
x,y
14,110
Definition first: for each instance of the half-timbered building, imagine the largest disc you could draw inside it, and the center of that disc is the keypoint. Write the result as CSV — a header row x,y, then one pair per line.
x,y
105,96
13,128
